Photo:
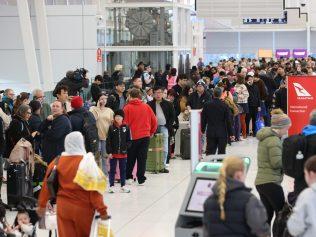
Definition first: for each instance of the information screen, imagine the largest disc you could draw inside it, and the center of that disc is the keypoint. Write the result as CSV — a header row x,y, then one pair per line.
x,y
201,191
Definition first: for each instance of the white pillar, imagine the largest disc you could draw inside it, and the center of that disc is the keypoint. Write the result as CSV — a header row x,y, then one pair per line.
x,y
43,39
308,27
195,125
28,43
175,29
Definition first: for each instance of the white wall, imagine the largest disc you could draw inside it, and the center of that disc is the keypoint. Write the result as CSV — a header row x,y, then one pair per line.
x,y
72,36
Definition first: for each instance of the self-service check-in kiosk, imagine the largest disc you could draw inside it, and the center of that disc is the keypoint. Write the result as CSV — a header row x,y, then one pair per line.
x,y
189,222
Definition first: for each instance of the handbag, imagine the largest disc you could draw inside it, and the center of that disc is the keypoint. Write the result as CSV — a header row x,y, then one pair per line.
x,y
101,228
259,122
52,180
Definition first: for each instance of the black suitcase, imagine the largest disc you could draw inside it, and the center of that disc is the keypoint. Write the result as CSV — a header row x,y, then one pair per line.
x,y
19,185
185,145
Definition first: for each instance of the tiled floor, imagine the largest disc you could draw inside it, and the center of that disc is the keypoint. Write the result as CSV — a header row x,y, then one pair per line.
x,y
151,210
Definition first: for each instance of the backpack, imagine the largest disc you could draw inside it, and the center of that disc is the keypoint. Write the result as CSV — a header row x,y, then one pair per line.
x,y
232,106
90,133
279,228
292,145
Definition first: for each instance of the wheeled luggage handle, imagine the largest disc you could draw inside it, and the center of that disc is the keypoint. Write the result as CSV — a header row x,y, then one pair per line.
x,y
99,217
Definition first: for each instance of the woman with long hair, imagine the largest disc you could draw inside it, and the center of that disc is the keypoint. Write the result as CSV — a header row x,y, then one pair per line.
x,y
104,117
19,128
232,210
172,78
242,101
22,98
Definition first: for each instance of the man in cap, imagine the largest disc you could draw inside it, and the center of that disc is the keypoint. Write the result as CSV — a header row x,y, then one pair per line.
x,y
117,97
200,97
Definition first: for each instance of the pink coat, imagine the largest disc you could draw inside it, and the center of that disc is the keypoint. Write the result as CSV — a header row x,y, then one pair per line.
x,y
172,81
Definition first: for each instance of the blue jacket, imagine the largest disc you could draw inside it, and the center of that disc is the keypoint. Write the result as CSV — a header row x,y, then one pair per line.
x,y
309,130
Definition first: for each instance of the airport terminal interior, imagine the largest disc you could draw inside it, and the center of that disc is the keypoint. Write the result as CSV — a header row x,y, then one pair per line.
x,y
157,118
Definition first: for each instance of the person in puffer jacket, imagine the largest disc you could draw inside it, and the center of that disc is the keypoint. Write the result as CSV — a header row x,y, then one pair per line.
x,y
303,220
309,132
232,210
270,174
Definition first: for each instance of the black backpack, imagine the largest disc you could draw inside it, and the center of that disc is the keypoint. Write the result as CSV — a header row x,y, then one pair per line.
x,y
292,145
279,228
90,133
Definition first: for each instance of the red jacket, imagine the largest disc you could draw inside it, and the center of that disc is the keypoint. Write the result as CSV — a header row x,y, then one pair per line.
x,y
140,118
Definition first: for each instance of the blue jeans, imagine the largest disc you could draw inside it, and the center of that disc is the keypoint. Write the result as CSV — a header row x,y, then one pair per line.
x,y
122,164
165,132
102,149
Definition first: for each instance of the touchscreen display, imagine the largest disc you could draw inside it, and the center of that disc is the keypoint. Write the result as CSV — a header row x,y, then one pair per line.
x,y
201,191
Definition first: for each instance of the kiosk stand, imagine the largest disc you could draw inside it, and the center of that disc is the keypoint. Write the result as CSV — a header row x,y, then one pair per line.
x,y
204,176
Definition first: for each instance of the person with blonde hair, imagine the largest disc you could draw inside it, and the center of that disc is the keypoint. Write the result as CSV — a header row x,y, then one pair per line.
x,y
232,210
270,172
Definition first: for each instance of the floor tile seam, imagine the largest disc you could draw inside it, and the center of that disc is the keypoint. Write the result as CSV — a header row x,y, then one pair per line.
x,y
152,204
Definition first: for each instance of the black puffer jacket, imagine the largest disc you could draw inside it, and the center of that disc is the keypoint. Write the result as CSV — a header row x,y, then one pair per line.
x,y
19,128
114,100
168,111
118,140
281,99
53,136
245,214
198,102
254,95
76,117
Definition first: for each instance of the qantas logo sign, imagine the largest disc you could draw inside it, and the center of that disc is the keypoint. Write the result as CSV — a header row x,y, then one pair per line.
x,y
300,91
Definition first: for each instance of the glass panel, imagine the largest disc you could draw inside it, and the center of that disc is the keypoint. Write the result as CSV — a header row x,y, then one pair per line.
x,y
101,37
128,1
8,2
129,60
139,26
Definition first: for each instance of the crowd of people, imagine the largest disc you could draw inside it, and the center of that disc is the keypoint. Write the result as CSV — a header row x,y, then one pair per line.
x,y
116,125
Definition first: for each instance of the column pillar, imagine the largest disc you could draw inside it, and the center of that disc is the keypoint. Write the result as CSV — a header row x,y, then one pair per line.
x,y
43,39
28,43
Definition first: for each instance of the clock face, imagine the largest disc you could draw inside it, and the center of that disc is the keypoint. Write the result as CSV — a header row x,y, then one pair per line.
x,y
140,23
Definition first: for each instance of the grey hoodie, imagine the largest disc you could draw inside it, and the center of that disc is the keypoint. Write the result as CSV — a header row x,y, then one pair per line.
x,y
302,222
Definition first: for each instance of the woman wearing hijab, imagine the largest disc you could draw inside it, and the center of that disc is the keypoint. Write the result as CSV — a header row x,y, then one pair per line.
x,y
75,206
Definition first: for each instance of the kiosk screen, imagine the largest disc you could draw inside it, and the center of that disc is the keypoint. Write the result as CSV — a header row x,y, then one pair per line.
x,y
200,192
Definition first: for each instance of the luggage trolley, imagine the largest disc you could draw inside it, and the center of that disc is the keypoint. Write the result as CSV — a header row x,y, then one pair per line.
x,y
189,222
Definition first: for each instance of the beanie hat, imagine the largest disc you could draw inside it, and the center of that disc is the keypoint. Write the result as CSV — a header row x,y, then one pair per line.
x,y
279,119
35,105
313,118
119,112
200,83
76,102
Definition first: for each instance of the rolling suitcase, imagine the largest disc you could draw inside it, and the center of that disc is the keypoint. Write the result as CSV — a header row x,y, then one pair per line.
x,y
19,185
185,145
155,157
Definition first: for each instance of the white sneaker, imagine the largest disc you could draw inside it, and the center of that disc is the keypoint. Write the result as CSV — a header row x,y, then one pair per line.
x,y
125,190
167,165
129,181
111,190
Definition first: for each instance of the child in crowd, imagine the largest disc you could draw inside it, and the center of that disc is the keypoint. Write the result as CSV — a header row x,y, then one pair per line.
x,y
118,140
303,220
232,210
24,227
